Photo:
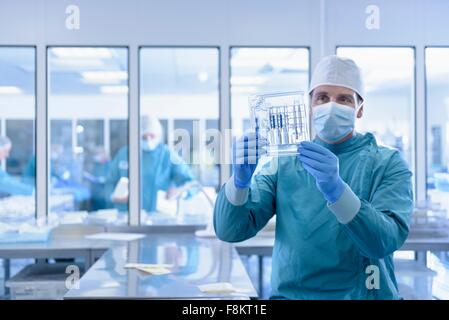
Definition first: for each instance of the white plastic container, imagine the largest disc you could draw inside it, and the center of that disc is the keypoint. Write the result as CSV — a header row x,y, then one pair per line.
x,y
121,190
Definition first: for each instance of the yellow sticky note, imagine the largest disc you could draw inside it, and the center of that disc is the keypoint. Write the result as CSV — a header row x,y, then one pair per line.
x,y
154,269
218,288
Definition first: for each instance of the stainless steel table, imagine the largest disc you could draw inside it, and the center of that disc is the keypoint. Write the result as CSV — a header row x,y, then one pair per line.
x,y
71,243
69,247
66,247
195,261
75,245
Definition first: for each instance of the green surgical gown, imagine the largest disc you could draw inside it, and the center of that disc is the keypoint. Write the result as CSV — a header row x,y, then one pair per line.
x,y
315,256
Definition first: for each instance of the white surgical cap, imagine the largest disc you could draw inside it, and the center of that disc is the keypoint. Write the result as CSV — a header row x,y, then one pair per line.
x,y
338,71
149,124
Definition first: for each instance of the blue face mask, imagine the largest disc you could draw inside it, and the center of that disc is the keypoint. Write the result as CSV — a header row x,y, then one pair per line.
x,y
333,121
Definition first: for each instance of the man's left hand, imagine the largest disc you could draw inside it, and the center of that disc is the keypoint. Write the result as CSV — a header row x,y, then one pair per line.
x,y
322,164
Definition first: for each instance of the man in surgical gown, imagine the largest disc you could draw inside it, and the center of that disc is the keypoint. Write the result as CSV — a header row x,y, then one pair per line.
x,y
161,169
342,206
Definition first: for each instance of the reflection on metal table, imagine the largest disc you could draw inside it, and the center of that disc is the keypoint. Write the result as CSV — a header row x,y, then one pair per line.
x,y
194,261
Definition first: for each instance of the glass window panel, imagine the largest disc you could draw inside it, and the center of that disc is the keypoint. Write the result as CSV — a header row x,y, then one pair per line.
x,y
23,133
186,125
178,86
88,114
264,70
17,134
389,84
118,135
437,73
164,124
61,133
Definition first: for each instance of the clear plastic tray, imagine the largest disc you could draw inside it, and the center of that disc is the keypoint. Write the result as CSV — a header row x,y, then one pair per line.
x,y
283,119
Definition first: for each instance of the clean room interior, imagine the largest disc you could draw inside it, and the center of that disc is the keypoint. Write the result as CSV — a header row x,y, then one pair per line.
x,y
118,120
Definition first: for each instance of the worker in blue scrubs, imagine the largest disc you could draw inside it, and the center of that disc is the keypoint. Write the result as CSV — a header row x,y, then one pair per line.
x,y
342,206
65,178
97,179
9,185
161,169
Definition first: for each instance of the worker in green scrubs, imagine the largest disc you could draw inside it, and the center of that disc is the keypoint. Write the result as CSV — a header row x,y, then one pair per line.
x,y
162,168
342,206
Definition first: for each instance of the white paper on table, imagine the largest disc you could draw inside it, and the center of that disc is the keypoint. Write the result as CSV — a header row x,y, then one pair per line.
x,y
115,236
221,288
110,284
153,269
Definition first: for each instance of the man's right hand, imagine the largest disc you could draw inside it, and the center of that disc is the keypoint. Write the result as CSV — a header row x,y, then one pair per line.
x,y
246,152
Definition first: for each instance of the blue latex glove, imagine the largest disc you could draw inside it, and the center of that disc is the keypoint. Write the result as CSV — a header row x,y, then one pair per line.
x,y
322,164
246,152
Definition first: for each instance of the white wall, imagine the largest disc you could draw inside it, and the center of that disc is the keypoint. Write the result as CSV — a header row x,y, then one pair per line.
x,y
170,22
